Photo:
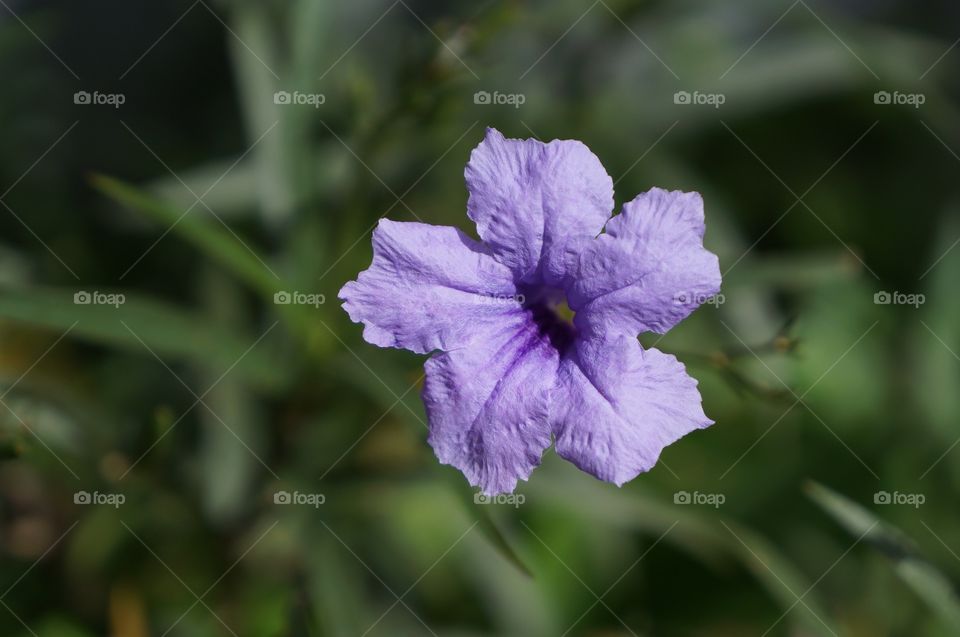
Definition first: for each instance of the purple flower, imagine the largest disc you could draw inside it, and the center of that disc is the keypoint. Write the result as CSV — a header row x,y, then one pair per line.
x,y
510,372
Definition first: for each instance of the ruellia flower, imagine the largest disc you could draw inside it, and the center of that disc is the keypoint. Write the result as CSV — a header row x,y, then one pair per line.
x,y
533,329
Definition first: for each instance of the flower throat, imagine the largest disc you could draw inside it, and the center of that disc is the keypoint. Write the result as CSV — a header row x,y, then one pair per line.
x,y
552,315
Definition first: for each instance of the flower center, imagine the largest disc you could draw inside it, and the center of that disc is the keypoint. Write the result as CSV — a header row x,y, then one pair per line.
x,y
553,316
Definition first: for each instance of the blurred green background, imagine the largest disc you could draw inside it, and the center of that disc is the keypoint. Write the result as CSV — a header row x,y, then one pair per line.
x,y
183,455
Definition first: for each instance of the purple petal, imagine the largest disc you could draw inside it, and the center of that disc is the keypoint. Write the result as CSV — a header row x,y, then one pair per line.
x,y
649,270
617,406
535,204
428,288
487,404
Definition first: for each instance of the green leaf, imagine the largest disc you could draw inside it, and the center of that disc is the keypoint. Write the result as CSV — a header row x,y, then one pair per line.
x,y
140,322
936,335
486,524
926,581
782,579
275,157
212,239
335,588
235,194
691,532
800,271
632,510
233,440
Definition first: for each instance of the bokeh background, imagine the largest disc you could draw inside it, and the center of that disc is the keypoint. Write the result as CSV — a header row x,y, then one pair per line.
x,y
183,455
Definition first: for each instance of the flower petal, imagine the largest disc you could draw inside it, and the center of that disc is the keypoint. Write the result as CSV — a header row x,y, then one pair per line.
x,y
618,405
534,204
487,404
649,270
428,288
